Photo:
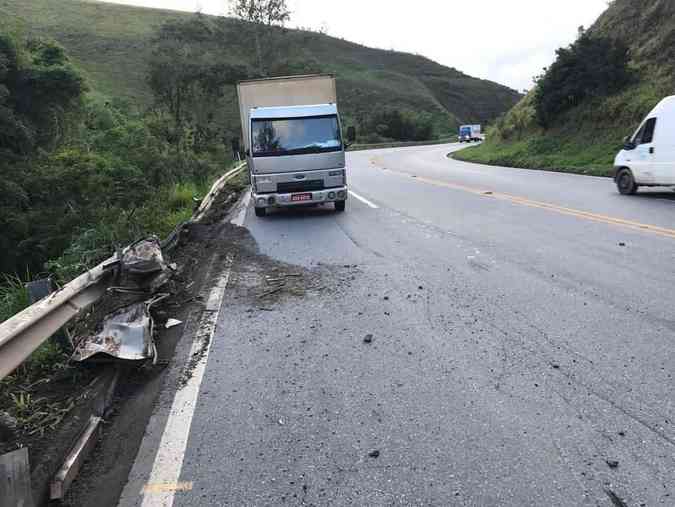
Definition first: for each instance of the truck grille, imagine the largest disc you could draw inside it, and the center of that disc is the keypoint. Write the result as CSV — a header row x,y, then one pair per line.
x,y
300,186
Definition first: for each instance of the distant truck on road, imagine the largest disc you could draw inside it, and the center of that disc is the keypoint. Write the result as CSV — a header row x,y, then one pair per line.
x,y
470,133
648,156
292,135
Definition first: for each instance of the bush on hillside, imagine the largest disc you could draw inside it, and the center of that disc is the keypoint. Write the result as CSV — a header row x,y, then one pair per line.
x,y
591,67
399,125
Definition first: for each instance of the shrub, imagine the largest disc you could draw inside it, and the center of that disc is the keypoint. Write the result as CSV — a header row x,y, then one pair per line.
x,y
592,66
401,125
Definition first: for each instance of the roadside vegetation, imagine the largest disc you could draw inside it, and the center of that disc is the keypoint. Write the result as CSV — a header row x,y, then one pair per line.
x,y
113,43
83,174
594,94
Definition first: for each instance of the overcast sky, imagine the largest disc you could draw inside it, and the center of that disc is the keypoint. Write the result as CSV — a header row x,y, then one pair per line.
x,y
504,41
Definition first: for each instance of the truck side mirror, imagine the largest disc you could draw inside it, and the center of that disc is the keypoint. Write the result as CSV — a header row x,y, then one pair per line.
x,y
351,135
628,144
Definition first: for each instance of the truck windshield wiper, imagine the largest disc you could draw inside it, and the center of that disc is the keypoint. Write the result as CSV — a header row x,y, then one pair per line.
x,y
309,150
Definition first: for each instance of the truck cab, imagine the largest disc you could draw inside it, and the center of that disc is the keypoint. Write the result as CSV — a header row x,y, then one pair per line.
x,y
295,150
470,133
297,156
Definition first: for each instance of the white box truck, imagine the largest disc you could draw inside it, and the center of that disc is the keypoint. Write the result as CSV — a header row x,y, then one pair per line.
x,y
648,156
295,151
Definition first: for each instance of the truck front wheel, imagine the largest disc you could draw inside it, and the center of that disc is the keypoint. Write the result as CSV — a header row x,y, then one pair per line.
x,y
340,206
625,182
261,212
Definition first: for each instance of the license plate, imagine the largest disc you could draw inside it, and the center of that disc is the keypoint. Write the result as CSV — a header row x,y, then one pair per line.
x,y
301,197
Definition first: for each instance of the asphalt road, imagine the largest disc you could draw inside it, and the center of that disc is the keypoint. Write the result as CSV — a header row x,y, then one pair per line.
x,y
523,348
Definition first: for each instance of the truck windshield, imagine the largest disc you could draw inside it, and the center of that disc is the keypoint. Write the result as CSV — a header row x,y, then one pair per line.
x,y
295,136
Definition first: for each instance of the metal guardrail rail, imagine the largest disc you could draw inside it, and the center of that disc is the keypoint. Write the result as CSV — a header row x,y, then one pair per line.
x,y
22,334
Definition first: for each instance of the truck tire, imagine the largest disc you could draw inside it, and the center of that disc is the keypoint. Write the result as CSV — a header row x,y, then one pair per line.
x,y
625,182
261,212
340,206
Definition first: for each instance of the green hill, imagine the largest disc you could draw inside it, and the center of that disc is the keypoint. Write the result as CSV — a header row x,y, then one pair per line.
x,y
111,43
586,138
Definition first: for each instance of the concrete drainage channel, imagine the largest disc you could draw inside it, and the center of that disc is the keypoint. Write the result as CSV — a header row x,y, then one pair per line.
x,y
51,477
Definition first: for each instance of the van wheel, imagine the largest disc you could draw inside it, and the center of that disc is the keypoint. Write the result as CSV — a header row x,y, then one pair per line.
x,y
340,206
261,212
625,182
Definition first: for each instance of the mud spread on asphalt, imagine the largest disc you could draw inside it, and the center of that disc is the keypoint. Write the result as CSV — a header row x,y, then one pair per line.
x,y
261,281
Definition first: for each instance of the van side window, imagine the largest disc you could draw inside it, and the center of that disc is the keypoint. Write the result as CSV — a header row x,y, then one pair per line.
x,y
647,136
638,137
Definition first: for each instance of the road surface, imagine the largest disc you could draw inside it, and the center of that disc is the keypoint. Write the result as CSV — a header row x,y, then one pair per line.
x,y
522,352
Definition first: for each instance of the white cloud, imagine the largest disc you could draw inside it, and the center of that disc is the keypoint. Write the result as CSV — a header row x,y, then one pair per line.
x,y
508,42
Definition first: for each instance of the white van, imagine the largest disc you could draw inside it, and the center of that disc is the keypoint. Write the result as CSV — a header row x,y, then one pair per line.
x,y
648,157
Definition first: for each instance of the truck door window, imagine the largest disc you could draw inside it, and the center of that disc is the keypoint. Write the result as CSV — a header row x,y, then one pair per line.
x,y
648,132
295,136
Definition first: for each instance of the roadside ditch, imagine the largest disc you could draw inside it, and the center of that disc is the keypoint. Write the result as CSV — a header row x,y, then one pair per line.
x,y
48,412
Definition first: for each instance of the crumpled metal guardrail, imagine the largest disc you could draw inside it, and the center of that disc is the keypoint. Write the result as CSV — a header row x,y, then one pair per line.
x,y
22,334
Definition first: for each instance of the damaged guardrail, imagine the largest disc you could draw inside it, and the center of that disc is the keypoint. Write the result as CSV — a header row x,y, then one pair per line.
x,y
22,334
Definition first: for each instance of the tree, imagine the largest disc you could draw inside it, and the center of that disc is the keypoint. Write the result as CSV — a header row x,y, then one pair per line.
x,y
40,94
264,17
591,67
188,80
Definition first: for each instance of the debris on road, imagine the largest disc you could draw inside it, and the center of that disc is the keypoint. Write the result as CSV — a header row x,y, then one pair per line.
x,y
8,427
616,500
125,334
142,268
292,283
612,463
172,323
368,338
374,454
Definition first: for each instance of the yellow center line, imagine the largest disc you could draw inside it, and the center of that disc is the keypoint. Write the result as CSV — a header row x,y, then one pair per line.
x,y
586,215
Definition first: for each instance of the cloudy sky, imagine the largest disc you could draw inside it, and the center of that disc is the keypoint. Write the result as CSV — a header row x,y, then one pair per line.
x,y
508,42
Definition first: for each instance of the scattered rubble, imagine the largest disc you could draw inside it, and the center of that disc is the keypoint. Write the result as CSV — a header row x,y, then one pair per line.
x,y
126,334
172,323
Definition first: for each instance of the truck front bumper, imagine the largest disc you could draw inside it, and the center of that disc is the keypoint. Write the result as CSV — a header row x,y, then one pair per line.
x,y
276,200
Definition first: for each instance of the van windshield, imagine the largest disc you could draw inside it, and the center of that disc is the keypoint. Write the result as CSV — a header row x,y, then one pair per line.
x,y
295,136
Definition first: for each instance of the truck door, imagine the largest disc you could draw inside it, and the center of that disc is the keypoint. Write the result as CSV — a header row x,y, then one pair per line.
x,y
663,154
642,162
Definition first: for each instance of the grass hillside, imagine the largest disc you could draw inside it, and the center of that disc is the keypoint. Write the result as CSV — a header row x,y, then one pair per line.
x,y
111,44
586,138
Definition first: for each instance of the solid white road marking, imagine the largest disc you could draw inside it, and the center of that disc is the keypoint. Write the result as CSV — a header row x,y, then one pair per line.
x,y
171,452
241,215
363,200
165,450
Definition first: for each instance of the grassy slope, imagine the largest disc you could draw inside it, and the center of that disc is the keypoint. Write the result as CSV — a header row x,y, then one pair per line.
x,y
110,42
586,139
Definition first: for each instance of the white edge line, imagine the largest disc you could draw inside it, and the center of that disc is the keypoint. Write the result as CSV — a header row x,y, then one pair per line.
x,y
363,200
241,214
168,462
